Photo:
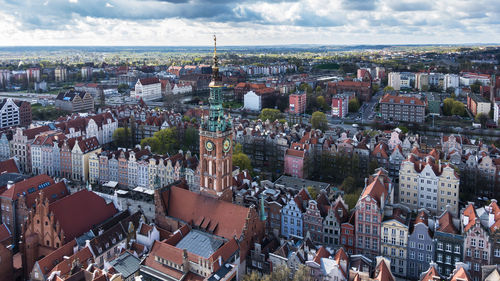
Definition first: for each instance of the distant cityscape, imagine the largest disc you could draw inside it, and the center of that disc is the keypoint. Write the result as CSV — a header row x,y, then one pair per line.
x,y
301,162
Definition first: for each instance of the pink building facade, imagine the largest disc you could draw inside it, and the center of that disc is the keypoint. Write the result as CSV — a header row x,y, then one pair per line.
x,y
298,103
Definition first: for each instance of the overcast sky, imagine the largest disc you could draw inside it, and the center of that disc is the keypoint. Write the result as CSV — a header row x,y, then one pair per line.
x,y
191,22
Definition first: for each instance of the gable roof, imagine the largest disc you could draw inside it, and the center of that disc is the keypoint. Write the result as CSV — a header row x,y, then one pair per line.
x,y
80,211
48,262
27,187
446,223
375,190
321,253
149,81
431,274
8,166
461,275
471,213
84,257
383,273
226,219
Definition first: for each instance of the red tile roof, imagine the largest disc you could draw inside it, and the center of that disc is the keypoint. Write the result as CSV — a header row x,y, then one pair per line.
x,y
375,190
48,262
27,186
8,166
188,206
422,217
295,153
401,99
383,273
4,232
461,275
149,81
145,229
431,274
84,256
471,213
446,223
31,133
80,211
322,253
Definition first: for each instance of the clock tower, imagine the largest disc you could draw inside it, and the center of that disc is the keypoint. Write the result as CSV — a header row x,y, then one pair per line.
x,y
216,139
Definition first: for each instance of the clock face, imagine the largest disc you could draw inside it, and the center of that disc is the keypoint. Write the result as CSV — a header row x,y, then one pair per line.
x,y
209,145
227,145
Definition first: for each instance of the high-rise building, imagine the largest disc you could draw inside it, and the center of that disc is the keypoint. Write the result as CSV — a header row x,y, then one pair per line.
x,y
216,139
298,103
60,74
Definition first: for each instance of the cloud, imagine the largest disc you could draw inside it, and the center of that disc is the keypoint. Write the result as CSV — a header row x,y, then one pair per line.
x,y
248,22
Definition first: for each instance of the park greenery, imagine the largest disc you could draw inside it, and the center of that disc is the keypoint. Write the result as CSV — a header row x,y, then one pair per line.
x,y
354,105
46,113
319,121
240,159
270,114
453,107
171,140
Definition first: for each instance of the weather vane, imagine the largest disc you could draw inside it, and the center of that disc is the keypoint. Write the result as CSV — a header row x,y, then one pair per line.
x,y
215,45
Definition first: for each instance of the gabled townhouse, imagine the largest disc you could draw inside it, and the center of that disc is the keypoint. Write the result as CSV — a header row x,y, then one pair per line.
x,y
420,245
394,244
369,212
292,216
21,145
347,234
477,243
448,242
337,214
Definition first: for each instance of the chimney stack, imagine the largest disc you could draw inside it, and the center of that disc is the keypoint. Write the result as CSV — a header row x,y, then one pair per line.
x,y
10,184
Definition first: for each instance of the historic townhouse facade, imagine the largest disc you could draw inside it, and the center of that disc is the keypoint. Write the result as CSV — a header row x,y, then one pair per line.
x,y
292,219
448,242
395,240
337,214
21,145
477,244
80,153
313,222
420,246
369,213
428,185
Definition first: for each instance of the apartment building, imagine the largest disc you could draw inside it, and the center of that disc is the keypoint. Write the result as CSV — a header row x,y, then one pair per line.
x,y
15,113
298,103
402,108
147,89
477,104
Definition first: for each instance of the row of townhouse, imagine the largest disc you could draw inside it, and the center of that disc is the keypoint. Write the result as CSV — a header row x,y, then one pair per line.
x,y
379,226
139,167
58,156
101,126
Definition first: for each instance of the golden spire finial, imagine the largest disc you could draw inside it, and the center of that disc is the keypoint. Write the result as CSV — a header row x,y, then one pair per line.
x,y
215,46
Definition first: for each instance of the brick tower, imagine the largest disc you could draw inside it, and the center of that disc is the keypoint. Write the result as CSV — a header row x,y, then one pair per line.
x,y
216,139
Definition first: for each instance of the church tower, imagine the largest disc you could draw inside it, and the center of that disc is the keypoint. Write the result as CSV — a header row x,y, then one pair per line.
x,y
216,139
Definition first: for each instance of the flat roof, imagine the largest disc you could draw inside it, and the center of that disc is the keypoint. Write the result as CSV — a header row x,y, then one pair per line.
x,y
200,243
298,183
144,190
126,264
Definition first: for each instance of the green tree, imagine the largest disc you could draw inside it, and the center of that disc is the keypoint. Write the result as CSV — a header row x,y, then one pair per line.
x,y
372,166
270,114
388,89
354,105
352,198
320,100
482,119
475,87
280,273
242,161
120,137
254,276
191,139
312,192
152,142
348,185
403,129
319,121
302,274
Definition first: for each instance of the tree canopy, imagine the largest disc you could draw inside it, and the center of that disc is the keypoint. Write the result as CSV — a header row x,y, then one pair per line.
x,y
121,137
354,105
271,114
453,107
319,121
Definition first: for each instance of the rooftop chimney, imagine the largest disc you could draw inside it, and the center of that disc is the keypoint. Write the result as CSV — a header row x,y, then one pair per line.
x,y
10,184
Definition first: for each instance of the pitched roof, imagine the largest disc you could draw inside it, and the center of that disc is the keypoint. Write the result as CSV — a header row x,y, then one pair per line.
x,y
48,262
8,166
4,232
461,275
401,99
422,217
84,257
80,211
149,81
375,190
470,212
31,133
383,273
320,254
27,186
431,275
446,223
225,218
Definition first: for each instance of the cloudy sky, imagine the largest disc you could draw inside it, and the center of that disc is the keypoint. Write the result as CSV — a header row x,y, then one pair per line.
x,y
247,22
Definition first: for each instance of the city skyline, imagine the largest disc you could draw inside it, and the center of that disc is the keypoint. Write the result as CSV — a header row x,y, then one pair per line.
x,y
187,23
